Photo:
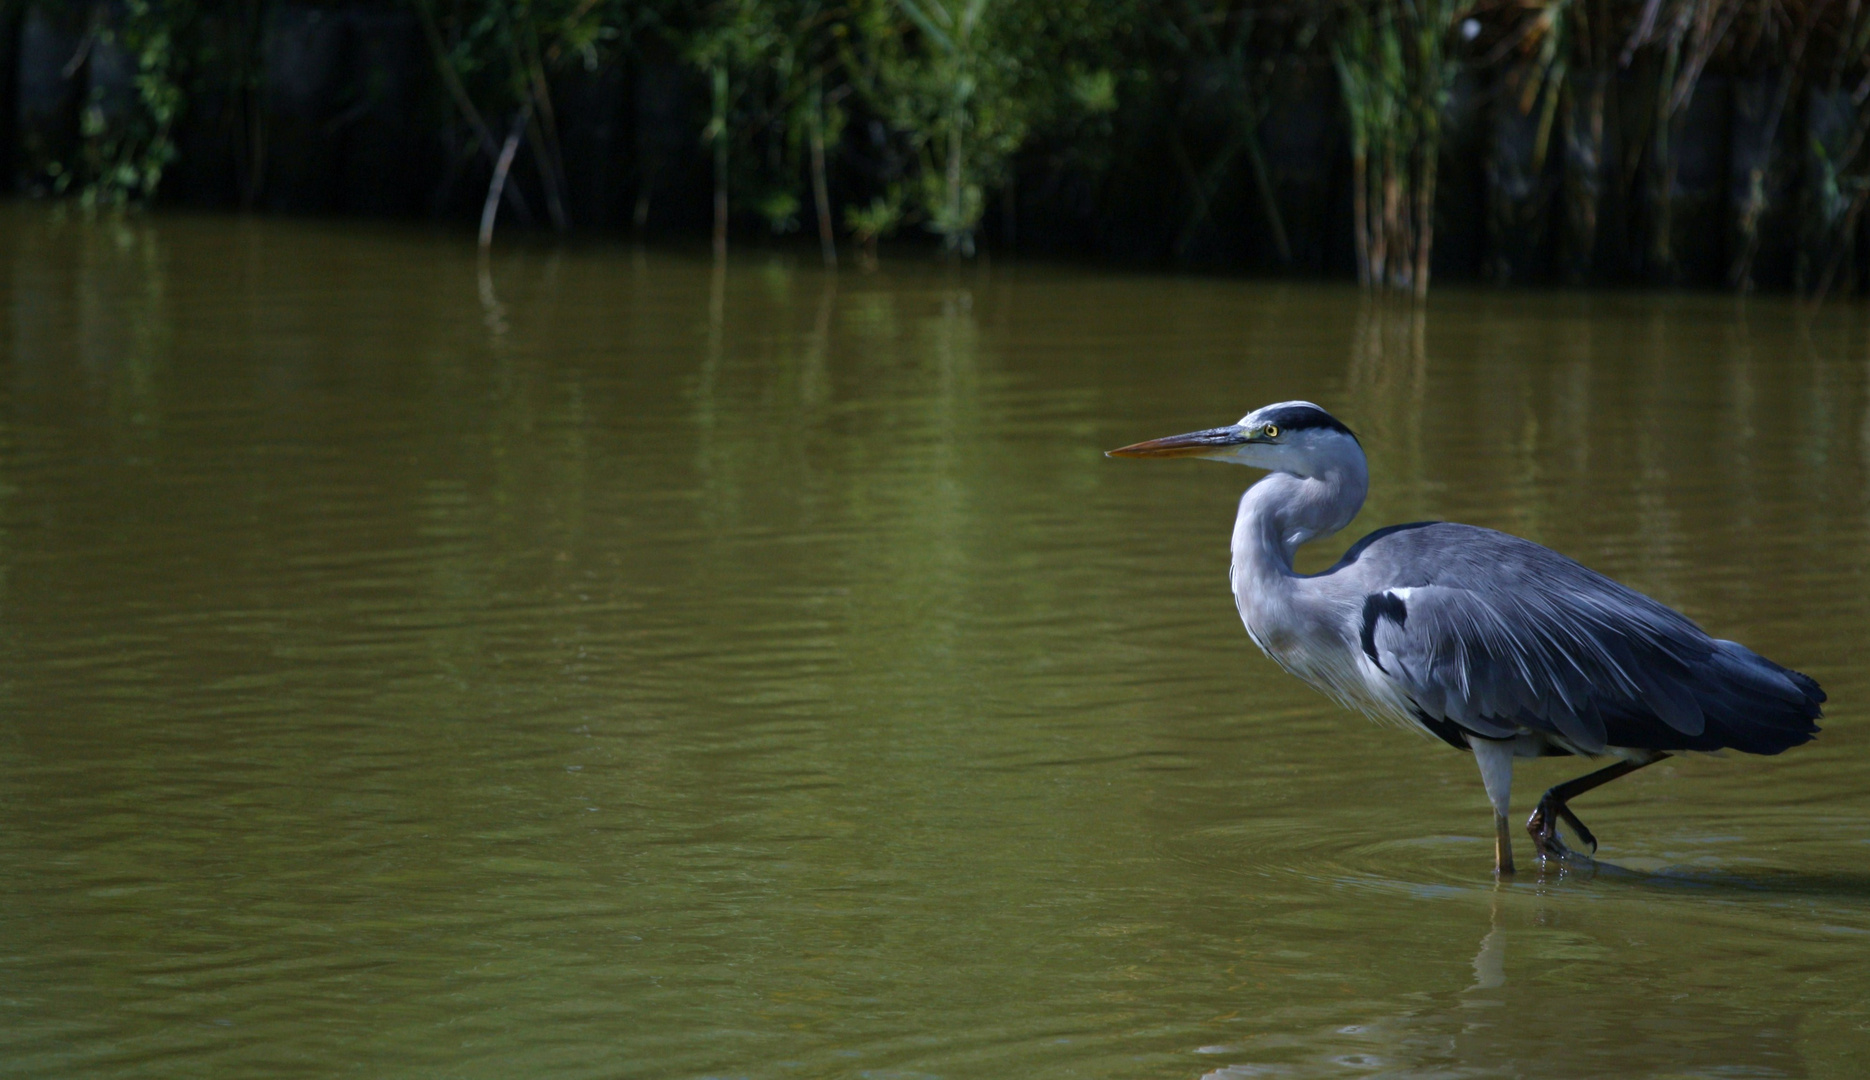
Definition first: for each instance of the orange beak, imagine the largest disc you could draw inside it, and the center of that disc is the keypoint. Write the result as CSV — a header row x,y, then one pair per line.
x,y
1193,444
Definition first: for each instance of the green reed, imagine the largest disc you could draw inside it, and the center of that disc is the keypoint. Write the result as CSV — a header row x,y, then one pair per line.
x,y
958,98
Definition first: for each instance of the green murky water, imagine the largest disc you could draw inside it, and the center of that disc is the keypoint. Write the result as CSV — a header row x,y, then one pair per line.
x,y
595,665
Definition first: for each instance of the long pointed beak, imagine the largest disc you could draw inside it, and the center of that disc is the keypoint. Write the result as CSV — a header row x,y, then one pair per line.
x,y
1193,444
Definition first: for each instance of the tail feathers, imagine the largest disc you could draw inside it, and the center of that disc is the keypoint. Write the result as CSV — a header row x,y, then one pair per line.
x,y
1755,706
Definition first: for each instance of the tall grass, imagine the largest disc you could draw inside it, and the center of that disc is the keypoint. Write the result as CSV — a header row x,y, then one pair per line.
x,y
950,94
1395,69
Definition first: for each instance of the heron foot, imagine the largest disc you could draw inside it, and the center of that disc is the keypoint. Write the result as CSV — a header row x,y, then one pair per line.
x,y
1543,825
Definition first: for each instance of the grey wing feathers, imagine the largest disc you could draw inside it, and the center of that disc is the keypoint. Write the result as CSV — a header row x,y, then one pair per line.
x,y
1496,634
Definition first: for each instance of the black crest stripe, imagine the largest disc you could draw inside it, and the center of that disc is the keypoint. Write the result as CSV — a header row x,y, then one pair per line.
x,y
1302,417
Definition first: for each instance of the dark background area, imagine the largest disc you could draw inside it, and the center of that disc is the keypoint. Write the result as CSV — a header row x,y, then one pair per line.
x,y
1234,157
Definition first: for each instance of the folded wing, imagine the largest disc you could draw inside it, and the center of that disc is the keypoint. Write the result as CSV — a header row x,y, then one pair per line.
x,y
1498,635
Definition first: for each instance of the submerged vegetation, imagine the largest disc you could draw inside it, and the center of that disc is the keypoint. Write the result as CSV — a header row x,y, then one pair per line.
x,y
1662,140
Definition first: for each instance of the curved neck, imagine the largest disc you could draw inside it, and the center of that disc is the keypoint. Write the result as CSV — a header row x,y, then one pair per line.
x,y
1284,511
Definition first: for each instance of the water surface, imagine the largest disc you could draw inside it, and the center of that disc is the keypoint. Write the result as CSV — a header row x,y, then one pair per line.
x,y
596,663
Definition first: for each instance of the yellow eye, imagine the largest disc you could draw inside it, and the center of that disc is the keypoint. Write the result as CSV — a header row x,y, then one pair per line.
x,y
1271,431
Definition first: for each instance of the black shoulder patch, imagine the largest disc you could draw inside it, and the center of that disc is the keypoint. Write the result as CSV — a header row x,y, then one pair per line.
x,y
1380,605
1301,417
1445,730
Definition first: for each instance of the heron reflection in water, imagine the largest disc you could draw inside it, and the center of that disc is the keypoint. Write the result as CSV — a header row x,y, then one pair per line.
x,y
1491,643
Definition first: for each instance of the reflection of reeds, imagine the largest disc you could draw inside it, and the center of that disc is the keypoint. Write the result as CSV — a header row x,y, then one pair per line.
x,y
1387,382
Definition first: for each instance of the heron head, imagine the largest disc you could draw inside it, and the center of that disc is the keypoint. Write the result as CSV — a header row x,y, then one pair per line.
x,y
1293,436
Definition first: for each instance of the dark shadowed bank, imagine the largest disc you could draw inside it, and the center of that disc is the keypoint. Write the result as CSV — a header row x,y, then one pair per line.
x,y
1711,143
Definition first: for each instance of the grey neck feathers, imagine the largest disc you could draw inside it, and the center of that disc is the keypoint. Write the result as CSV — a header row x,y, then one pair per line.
x,y
1285,510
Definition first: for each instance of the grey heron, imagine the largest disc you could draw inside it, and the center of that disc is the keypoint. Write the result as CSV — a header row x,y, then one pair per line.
x,y
1490,643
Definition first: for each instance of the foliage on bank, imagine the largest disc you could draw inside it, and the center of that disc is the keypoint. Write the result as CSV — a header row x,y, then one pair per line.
x,y
859,119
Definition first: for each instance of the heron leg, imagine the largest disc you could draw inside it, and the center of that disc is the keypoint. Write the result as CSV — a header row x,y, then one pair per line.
x,y
1502,845
1495,758
1543,825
